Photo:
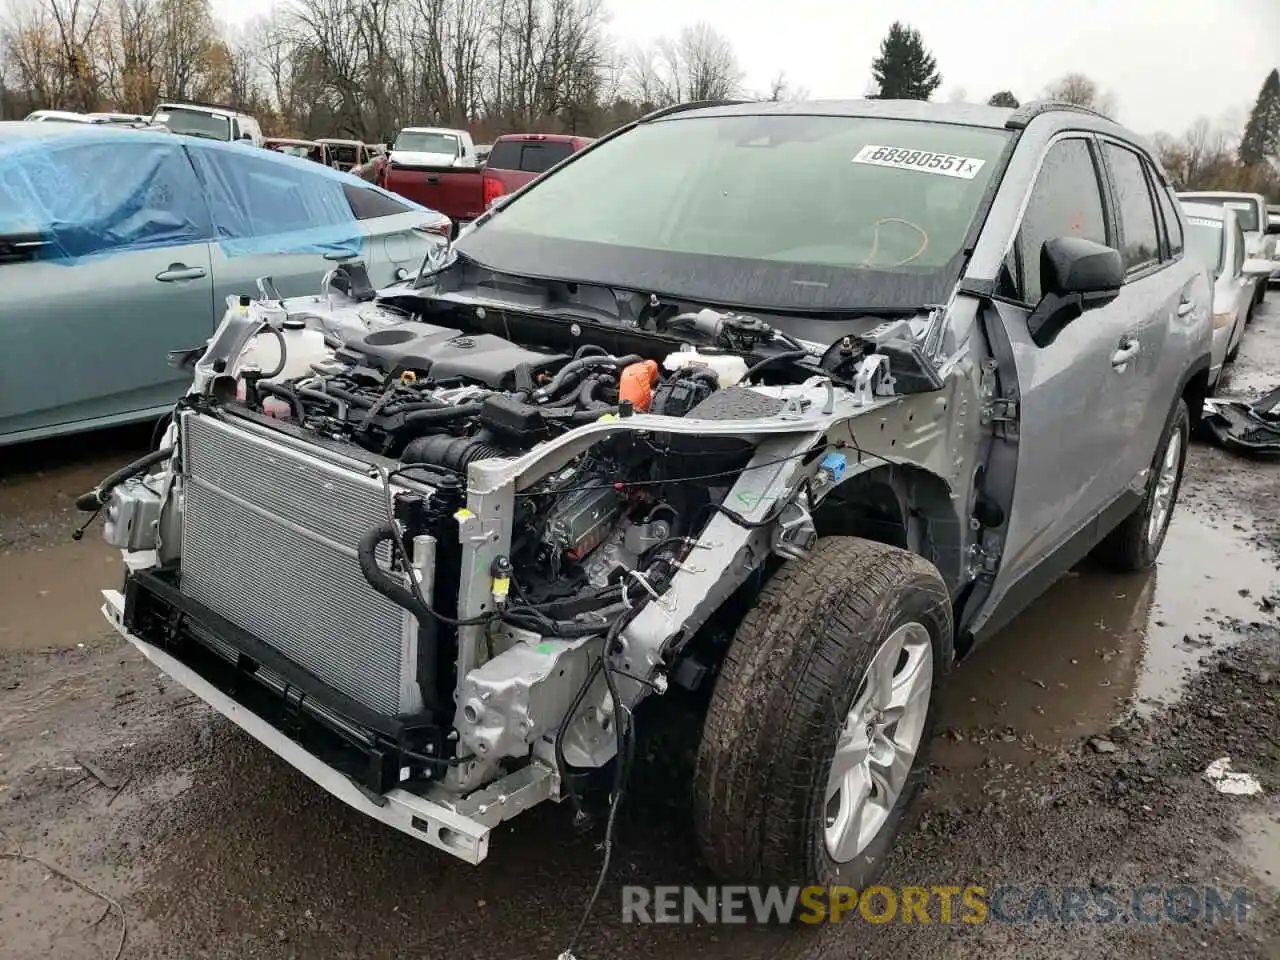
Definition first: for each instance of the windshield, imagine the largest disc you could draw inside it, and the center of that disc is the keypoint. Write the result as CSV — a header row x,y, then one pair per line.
x,y
1246,209
302,150
778,212
195,123
419,142
1205,239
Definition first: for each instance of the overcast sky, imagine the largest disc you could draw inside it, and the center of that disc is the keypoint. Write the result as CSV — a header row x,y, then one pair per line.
x,y
1166,61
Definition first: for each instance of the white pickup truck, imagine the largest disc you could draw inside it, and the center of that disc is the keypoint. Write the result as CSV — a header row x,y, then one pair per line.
x,y
437,167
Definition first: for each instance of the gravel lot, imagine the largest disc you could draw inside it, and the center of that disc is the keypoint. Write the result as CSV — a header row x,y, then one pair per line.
x,y
1072,754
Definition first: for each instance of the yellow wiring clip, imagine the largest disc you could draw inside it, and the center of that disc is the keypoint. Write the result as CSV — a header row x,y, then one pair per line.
x,y
501,587
463,514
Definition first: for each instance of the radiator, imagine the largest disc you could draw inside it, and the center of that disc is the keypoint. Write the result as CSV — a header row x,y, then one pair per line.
x,y
269,533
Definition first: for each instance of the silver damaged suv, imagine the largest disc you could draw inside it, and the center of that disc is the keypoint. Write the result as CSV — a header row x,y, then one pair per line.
x,y
794,404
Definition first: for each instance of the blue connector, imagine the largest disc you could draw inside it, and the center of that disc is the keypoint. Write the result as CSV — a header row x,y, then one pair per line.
x,y
835,464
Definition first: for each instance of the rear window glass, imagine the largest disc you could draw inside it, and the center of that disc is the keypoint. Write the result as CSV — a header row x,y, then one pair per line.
x,y
369,204
528,156
344,154
1246,208
412,141
1204,237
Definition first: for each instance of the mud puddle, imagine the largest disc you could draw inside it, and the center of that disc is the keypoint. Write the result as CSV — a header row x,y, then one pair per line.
x,y
1098,642
39,482
1260,845
50,596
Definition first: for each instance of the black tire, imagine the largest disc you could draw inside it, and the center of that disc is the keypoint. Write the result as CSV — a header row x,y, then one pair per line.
x,y
1261,295
1128,548
787,684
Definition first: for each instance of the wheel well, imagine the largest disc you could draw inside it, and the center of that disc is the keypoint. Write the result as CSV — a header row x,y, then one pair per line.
x,y
1194,394
899,505
868,506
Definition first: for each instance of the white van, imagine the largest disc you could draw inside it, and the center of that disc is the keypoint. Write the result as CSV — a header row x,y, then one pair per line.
x,y
209,121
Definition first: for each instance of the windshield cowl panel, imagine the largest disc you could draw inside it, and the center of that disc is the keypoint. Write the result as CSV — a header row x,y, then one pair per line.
x,y
787,213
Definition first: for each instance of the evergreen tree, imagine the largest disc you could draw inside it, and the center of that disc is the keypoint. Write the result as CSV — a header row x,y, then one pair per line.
x,y
1004,98
1261,139
905,69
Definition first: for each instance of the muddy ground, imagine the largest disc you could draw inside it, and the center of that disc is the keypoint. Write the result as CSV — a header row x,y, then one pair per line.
x,y
1072,755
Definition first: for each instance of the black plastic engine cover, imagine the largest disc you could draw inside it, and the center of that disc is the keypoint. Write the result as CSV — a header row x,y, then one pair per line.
x,y
704,454
444,354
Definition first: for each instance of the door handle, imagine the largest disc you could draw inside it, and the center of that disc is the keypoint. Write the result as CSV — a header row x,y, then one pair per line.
x,y
178,272
337,255
1185,306
433,179
1127,350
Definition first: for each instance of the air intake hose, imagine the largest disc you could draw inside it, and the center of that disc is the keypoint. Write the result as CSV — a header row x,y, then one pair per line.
x,y
451,453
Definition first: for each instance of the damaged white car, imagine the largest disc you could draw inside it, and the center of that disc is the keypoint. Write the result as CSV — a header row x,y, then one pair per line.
x,y
799,402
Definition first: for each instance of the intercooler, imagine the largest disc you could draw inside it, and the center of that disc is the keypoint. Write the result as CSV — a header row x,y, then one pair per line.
x,y
269,533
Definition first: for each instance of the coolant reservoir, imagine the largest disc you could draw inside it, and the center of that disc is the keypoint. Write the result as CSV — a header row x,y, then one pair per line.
x,y
303,347
728,368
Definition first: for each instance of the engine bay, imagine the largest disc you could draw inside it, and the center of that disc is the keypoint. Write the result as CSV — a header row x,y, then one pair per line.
x,y
438,399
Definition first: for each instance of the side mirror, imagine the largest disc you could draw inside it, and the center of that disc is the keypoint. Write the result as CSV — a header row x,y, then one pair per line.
x,y
1273,228
1076,275
1253,267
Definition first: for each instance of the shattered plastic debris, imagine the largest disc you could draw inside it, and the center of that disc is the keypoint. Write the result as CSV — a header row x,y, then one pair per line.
x,y
1251,429
1226,780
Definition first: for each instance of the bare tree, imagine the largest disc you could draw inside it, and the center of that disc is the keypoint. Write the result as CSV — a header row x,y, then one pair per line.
x,y
362,68
780,88
1199,156
697,64
1082,91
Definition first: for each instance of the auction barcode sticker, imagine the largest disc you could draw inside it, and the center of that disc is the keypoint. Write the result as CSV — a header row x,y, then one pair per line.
x,y
1204,222
926,161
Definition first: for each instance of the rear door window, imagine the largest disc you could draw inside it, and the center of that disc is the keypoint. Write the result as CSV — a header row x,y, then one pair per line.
x,y
1139,229
255,196
1066,201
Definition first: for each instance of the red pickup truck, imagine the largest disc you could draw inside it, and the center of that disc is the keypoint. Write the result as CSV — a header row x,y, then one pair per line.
x,y
517,158
463,193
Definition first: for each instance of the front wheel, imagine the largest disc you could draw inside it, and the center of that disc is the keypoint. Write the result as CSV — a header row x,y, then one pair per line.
x,y
1135,544
816,740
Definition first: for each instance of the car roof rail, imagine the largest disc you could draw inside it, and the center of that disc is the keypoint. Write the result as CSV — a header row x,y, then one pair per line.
x,y
688,105
1029,111
188,102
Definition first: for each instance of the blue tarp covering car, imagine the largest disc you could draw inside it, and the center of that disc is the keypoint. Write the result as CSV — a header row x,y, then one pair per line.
x,y
89,192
